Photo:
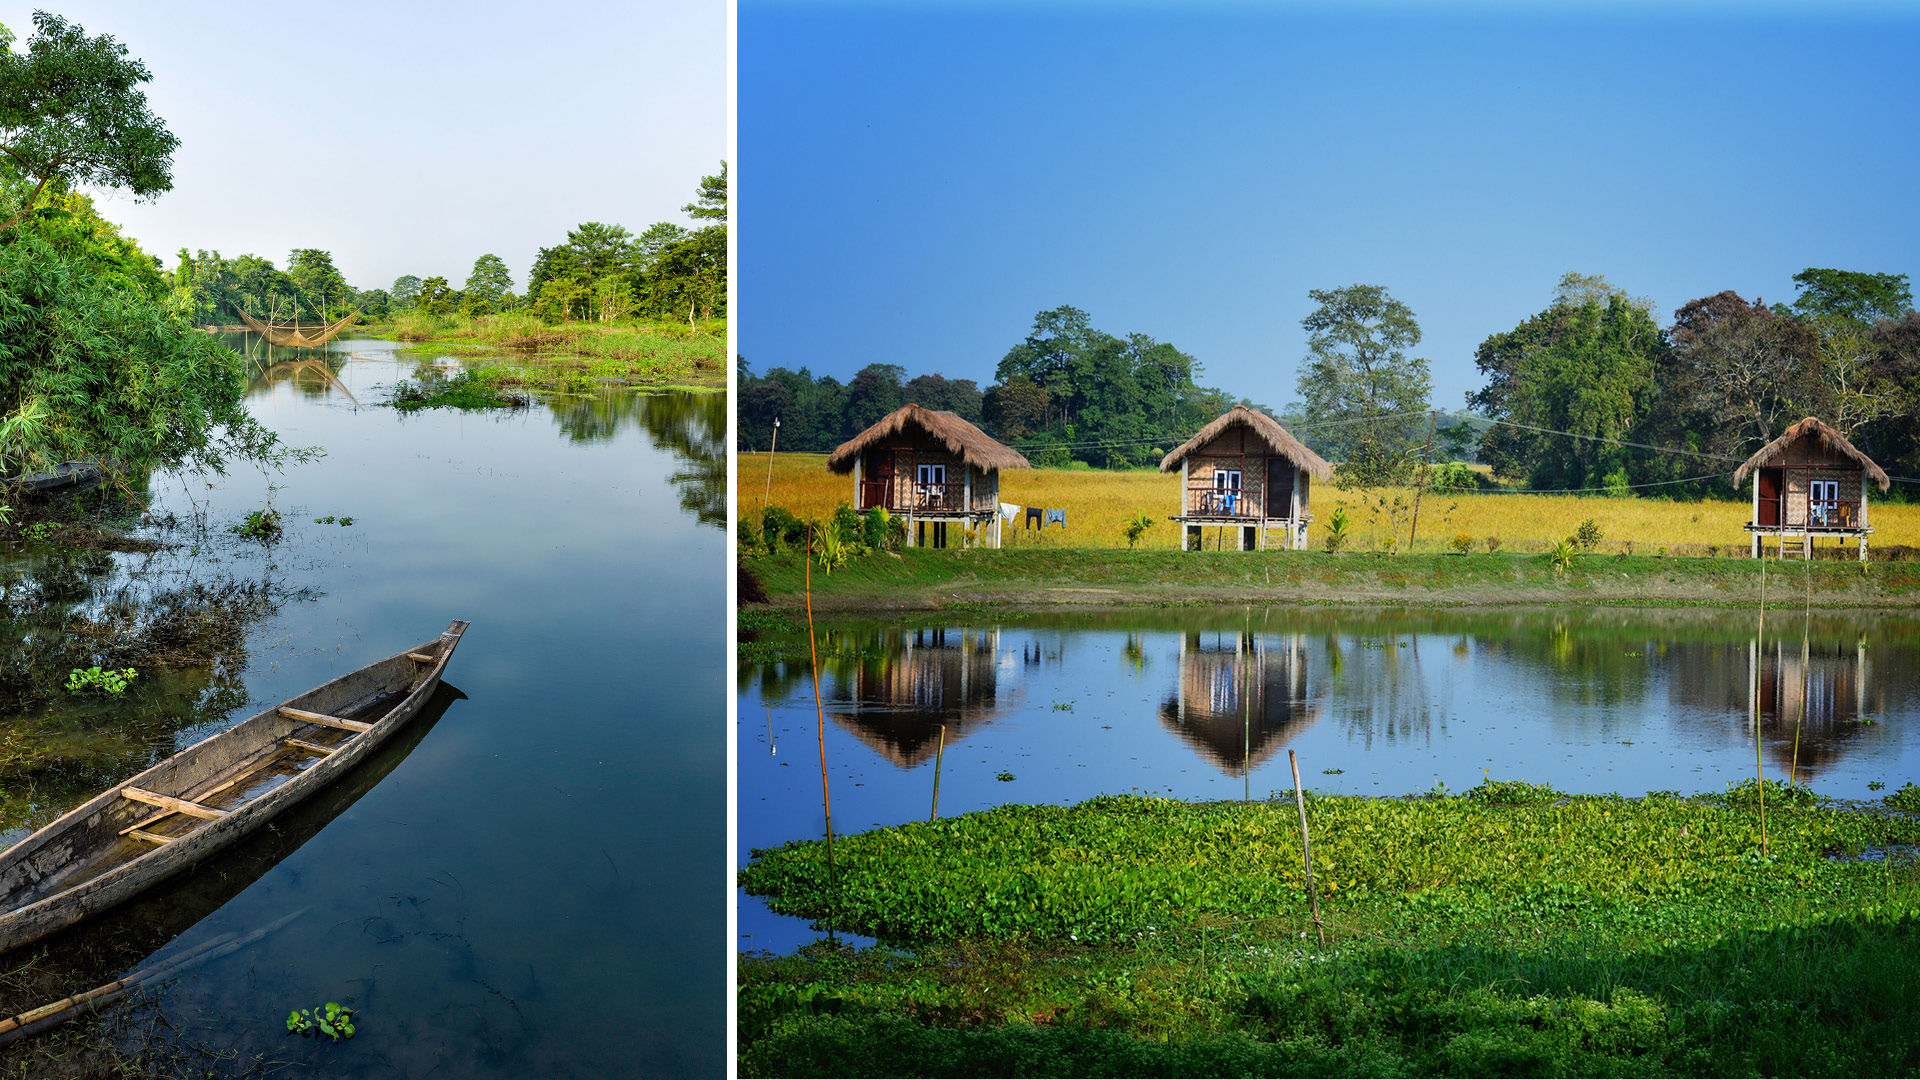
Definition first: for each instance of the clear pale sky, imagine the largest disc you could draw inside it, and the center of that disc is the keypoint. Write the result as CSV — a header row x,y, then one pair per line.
x,y
917,183
413,138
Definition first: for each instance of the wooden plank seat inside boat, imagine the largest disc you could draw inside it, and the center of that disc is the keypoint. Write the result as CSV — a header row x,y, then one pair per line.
x,y
178,811
164,818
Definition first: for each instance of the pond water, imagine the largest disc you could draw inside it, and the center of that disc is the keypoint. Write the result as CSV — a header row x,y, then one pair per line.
x,y
528,883
1207,705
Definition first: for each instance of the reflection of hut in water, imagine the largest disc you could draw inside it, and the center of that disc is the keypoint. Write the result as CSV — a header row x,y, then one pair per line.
x,y
1820,689
1239,697
1823,687
938,676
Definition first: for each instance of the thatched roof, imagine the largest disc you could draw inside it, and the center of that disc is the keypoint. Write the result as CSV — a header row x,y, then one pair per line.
x,y
972,445
1828,438
1267,429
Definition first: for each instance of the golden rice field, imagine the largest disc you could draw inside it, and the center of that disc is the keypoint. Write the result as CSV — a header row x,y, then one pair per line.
x,y
1098,503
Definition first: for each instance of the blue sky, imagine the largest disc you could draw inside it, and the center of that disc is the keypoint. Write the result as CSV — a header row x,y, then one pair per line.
x,y
917,182
411,138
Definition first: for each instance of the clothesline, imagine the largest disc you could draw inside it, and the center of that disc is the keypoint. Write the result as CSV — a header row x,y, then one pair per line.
x,y
1037,517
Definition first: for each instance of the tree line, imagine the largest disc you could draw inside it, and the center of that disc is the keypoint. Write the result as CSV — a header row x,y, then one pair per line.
x,y
1592,393
94,363
600,272
1068,392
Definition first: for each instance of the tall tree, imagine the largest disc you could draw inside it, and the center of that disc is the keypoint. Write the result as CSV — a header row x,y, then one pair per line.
x,y
1843,307
1742,368
72,112
1861,299
321,285
1359,385
659,236
436,297
405,288
874,392
711,203
489,282
1584,369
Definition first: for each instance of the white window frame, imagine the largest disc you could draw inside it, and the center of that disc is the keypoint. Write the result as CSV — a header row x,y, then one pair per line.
x,y
1823,499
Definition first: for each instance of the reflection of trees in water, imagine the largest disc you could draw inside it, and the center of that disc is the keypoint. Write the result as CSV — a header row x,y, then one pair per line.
x,y
1377,690
1585,660
1818,690
1239,696
78,609
691,427
932,677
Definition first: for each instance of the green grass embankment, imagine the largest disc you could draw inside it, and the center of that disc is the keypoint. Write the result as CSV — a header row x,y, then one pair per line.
x,y
927,579
1511,931
528,353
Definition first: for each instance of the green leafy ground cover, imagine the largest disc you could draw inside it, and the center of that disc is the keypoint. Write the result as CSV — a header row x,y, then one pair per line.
x,y
932,579
1506,932
464,391
528,353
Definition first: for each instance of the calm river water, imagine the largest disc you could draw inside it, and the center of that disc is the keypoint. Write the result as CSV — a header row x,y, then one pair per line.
x,y
530,884
1206,705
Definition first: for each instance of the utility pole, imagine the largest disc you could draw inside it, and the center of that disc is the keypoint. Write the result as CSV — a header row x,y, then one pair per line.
x,y
1426,457
770,446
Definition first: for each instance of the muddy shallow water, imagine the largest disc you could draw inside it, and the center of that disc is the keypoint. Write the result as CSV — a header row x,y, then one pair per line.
x,y
1196,704
532,887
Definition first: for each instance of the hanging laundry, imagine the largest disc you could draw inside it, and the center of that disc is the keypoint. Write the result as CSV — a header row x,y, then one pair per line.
x,y
1059,516
1035,519
1008,512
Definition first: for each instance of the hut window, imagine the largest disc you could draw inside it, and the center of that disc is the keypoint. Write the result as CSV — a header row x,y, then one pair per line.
x,y
1825,495
1226,480
933,475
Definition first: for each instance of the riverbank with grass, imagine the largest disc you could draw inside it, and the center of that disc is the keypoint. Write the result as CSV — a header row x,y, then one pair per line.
x,y
1512,930
973,580
525,352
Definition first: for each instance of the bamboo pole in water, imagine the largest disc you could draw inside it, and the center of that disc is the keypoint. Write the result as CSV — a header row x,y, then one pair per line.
x,y
820,711
1806,663
59,1012
939,753
1759,653
1306,846
1246,727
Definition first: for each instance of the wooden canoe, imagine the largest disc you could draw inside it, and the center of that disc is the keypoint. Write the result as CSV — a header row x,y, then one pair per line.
x,y
202,799
64,475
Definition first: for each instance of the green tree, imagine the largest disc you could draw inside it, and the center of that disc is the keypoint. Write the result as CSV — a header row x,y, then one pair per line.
x,y
72,112
688,278
711,203
92,368
1843,307
657,239
436,297
405,288
1017,406
1367,396
263,290
1584,368
1850,296
874,392
1742,369
489,282
323,290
